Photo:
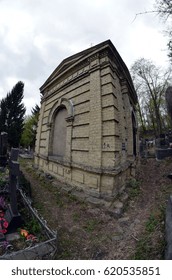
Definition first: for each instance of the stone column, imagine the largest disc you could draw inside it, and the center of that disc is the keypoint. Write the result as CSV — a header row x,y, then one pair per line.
x,y
68,153
129,137
48,146
122,124
39,129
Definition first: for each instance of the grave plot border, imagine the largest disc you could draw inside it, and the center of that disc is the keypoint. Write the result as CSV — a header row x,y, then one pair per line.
x,y
42,250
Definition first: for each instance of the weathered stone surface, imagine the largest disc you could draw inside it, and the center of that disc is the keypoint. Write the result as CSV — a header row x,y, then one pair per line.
x,y
118,204
117,212
118,234
94,211
67,189
26,156
12,236
117,237
163,153
134,223
93,193
56,184
124,220
95,201
122,189
80,195
124,197
35,252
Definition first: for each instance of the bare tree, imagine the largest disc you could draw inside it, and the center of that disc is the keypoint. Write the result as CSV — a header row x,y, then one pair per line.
x,y
150,83
164,8
168,97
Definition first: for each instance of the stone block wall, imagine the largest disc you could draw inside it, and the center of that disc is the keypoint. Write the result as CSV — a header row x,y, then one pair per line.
x,y
99,143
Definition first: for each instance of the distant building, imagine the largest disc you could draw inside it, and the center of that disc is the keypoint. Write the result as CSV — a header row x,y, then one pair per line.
x,y
87,131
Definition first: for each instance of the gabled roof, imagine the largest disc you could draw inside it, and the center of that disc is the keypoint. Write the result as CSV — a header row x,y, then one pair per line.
x,y
69,62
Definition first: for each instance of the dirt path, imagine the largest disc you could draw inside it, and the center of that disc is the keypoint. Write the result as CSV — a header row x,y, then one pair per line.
x,y
86,232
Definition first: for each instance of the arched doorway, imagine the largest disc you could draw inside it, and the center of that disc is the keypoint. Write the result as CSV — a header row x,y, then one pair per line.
x,y
59,132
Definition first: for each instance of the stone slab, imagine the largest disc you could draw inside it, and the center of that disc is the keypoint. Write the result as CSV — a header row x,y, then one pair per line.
x,y
12,236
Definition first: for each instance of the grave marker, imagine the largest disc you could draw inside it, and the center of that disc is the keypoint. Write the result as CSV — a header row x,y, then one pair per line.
x,y
3,149
12,215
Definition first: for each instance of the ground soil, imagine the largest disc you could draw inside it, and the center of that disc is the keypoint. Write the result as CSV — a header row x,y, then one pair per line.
x,y
88,232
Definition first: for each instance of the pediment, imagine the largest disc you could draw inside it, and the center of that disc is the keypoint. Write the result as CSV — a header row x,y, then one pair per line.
x,y
69,62
65,64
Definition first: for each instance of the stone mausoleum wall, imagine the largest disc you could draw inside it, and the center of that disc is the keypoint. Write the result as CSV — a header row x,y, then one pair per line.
x,y
87,131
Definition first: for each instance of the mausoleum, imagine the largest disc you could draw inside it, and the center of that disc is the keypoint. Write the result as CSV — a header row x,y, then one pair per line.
x,y
87,130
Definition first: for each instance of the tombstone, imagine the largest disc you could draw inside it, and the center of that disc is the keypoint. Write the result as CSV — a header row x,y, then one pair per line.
x,y
3,149
12,215
169,135
142,148
162,140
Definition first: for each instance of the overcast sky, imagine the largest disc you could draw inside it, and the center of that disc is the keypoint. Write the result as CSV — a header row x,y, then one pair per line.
x,y
36,35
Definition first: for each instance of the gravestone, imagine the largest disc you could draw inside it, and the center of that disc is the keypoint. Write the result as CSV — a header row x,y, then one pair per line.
x,y
3,149
163,142
142,148
170,138
12,215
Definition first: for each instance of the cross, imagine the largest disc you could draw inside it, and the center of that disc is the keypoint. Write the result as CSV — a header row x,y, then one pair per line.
x,y
12,215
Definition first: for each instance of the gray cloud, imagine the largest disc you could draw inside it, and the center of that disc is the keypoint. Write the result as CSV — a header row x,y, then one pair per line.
x,y
37,35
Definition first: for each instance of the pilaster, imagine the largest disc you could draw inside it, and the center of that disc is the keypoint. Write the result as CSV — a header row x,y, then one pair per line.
x,y
39,129
68,153
95,126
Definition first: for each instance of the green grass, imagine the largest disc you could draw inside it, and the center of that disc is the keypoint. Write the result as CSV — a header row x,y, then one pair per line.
x,y
33,226
76,217
151,244
91,225
151,223
134,188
